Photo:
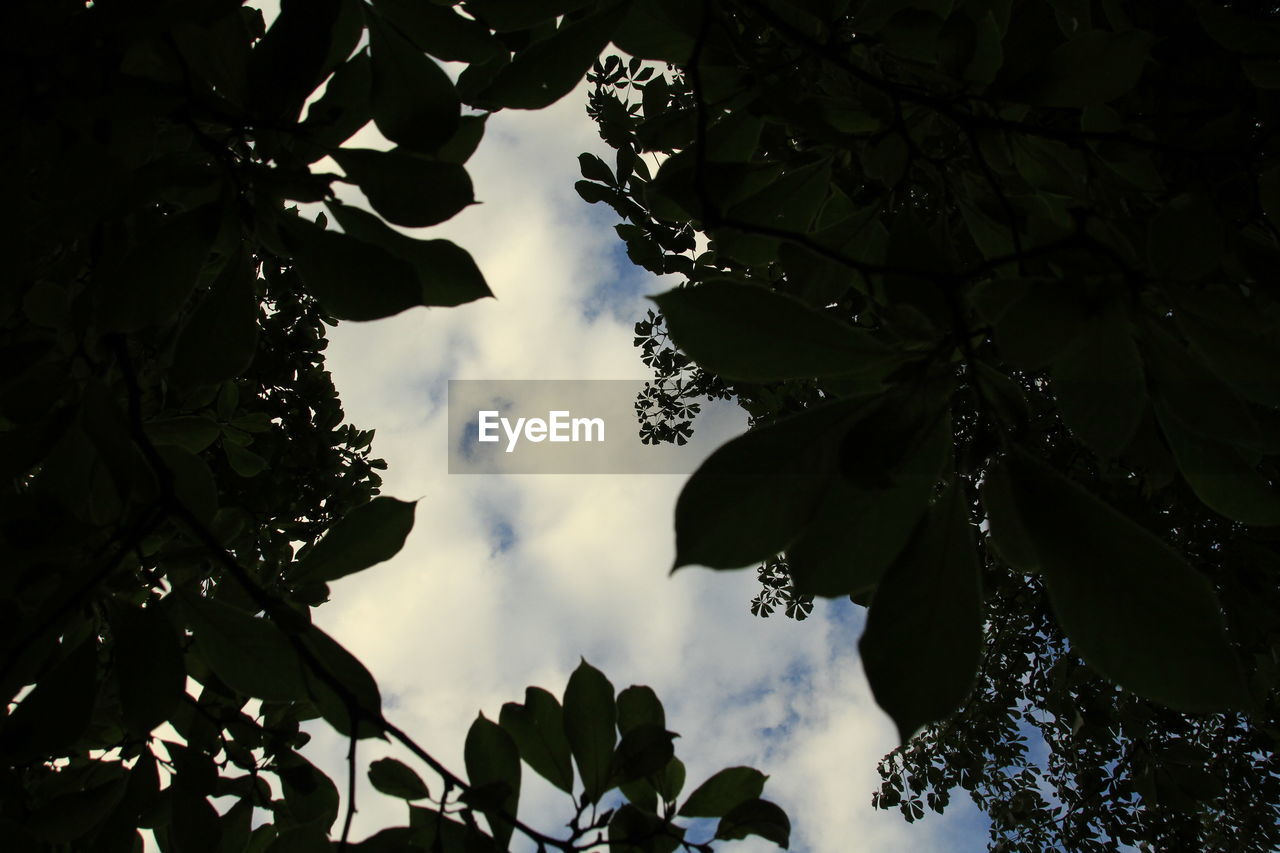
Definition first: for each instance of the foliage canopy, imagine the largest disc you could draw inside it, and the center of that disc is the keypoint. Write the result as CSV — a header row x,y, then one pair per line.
x,y
995,282
179,483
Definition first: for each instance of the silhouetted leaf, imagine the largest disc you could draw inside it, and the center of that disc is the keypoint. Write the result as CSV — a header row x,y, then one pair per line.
x,y
756,817
590,717
537,727
219,340
406,189
353,280
493,762
1133,608
251,654
740,331
366,536
723,792
923,638
397,779
440,31
414,102
149,669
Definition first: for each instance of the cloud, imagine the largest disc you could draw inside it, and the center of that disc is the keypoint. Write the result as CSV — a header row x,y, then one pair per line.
x,y
507,580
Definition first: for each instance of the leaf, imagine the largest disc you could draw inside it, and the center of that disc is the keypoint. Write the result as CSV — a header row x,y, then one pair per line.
x,y
250,654
71,816
440,31
57,710
537,727
509,15
590,716
194,824
1222,476
368,535
594,169
644,749
344,108
741,331
414,102
637,706
310,795
547,70
1132,607
193,483
192,433
446,273
397,779
407,190
1094,67
1098,383
1009,539
756,817
755,494
246,463
353,279
857,531
1186,239
149,668
288,62
152,282
723,792
358,687
219,340
923,636
493,760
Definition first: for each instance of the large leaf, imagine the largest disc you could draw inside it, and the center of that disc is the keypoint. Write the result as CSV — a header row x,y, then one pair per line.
x,y
150,672
219,340
396,779
507,15
590,718
1094,67
1132,607
56,712
756,817
537,727
1098,383
407,189
493,767
152,282
250,654
342,686
858,531
368,535
353,279
754,496
741,331
414,102
923,637
447,275
547,70
724,792
440,31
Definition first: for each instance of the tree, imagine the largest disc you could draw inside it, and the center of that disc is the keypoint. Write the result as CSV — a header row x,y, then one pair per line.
x,y
995,284
180,486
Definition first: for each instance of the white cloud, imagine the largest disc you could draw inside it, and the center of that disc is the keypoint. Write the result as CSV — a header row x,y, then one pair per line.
x,y
459,623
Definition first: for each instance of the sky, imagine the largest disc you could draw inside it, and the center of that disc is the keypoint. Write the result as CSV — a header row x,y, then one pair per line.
x,y
508,580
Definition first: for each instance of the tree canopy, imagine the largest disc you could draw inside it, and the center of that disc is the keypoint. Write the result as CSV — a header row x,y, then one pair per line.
x,y
180,485
995,282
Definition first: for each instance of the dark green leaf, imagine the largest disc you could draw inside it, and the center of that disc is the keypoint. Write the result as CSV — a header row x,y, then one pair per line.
x,y
644,749
414,102
1133,608
366,536
923,637
192,481
1098,383
508,15
310,795
251,654
756,817
440,31
192,433
741,331
537,727
353,279
493,762
1094,67
149,669
152,282
637,706
219,340
723,792
407,189
547,70
57,711
751,498
446,272
397,779
590,717
341,683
